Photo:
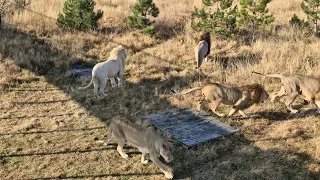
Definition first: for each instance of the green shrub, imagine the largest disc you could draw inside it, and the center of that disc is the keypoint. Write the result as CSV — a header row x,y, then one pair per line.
x,y
253,15
139,18
311,8
298,23
228,20
221,22
79,15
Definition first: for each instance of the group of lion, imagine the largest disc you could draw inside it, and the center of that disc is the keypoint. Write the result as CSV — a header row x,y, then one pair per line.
x,y
244,96
149,141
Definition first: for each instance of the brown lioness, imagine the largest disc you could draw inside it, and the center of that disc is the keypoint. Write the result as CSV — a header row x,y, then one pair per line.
x,y
294,85
240,97
147,140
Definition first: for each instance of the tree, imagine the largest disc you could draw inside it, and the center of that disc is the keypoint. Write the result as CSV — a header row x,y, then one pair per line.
x,y
221,22
139,18
311,8
79,14
298,23
253,15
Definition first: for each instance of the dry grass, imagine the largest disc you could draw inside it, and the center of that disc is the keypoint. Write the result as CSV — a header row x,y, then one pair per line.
x,y
48,129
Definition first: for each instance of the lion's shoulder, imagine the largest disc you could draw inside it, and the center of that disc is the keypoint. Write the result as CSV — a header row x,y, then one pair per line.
x,y
141,135
124,123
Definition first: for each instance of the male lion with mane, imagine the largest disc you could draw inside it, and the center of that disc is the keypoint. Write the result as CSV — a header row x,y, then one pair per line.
x,y
103,71
202,49
239,97
294,85
147,140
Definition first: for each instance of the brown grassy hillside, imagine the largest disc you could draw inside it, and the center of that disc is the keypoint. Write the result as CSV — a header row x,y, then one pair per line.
x,y
50,130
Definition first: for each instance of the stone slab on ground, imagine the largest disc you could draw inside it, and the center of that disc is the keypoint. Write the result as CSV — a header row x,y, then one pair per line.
x,y
188,126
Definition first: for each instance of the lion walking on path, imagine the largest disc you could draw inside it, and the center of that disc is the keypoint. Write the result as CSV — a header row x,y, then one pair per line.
x,y
103,71
240,98
146,140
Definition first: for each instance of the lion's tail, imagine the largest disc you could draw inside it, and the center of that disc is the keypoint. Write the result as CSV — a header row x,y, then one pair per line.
x,y
269,75
190,91
275,75
93,75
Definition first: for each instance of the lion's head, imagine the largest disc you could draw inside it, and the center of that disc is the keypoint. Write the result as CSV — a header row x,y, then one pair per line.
x,y
206,37
257,93
165,149
118,51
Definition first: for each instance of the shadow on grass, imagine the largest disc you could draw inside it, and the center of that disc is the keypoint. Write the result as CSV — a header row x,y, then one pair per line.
x,y
231,157
52,131
56,153
235,157
41,102
279,116
110,146
99,176
28,89
38,116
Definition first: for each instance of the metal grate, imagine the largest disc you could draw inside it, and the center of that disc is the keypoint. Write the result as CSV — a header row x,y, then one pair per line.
x,y
188,126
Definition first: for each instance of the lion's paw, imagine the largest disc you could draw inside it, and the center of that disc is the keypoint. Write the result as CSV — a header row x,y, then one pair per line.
x,y
222,115
294,111
104,94
145,162
169,175
125,156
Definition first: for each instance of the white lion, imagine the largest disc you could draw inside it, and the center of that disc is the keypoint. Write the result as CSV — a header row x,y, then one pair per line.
x,y
103,71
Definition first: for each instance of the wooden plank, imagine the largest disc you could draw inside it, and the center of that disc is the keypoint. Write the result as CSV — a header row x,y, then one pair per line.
x,y
188,126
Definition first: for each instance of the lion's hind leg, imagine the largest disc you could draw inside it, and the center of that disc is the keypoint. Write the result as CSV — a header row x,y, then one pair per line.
x,y
95,88
291,98
278,94
120,81
113,82
103,84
